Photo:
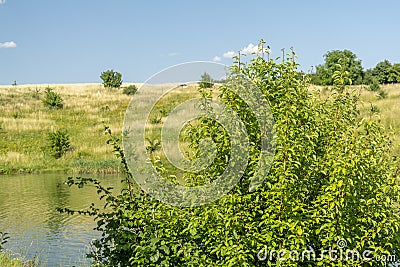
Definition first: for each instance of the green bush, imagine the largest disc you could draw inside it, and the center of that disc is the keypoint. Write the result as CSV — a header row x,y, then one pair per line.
x,y
374,87
111,79
206,81
333,179
130,90
382,94
52,99
58,143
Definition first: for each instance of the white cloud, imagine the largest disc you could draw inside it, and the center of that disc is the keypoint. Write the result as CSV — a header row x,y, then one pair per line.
x,y
217,59
2,1
229,54
172,54
249,49
8,45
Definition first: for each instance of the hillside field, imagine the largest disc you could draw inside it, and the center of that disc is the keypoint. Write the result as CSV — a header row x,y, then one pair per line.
x,y
25,123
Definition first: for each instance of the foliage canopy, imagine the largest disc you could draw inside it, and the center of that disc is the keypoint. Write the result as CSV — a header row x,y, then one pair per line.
x,y
384,72
347,59
111,79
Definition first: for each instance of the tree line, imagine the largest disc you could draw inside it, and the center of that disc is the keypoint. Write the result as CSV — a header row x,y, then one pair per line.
x,y
384,72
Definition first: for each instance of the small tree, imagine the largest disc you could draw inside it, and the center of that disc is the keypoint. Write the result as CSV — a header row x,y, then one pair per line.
x,y
206,81
111,79
58,143
52,99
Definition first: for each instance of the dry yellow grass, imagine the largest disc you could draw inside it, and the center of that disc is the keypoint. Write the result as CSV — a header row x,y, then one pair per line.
x,y
388,108
25,122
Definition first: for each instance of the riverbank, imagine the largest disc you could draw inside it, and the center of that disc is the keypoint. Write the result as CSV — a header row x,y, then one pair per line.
x,y
7,261
25,124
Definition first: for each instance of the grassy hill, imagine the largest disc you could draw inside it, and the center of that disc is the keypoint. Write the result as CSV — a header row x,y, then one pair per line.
x,y
25,123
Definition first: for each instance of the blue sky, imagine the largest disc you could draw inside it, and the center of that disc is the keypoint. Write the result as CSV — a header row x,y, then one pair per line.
x,y
71,41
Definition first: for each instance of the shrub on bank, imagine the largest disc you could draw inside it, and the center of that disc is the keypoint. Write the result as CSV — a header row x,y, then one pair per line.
x,y
333,179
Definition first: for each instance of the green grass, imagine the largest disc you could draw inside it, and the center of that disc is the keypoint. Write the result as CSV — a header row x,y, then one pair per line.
x,y
7,261
25,123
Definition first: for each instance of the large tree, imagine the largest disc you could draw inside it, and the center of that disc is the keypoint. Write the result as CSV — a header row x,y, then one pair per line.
x,y
394,74
347,59
381,71
384,72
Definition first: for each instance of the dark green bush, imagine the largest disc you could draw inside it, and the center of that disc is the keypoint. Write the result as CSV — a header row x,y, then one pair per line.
x,y
58,143
130,90
382,94
52,99
374,87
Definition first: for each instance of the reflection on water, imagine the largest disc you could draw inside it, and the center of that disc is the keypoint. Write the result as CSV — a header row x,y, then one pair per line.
x,y
28,214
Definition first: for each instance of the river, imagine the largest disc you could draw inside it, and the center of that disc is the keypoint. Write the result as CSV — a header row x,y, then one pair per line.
x,y
37,230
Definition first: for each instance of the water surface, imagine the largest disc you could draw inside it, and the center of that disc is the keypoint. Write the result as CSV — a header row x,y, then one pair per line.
x,y
28,214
